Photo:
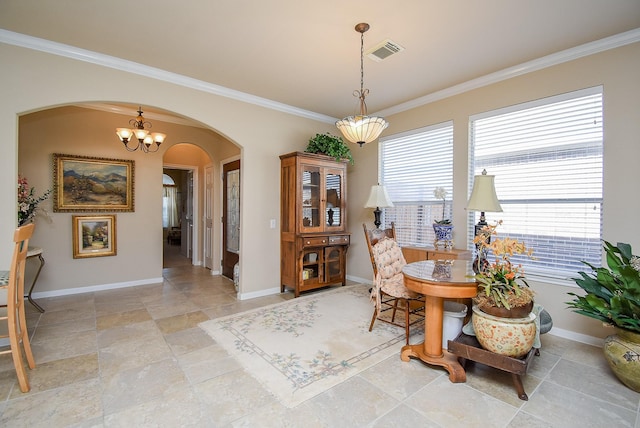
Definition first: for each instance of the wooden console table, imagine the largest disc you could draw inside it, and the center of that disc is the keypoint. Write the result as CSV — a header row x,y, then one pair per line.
x,y
438,280
417,254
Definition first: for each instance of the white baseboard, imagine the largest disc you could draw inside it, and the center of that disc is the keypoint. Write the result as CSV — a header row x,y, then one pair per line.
x,y
261,293
577,337
100,287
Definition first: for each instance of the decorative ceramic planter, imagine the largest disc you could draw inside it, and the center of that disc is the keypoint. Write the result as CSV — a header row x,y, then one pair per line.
x,y
444,236
512,337
622,351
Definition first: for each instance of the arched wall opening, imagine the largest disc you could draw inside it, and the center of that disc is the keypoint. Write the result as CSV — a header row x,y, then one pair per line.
x,y
138,254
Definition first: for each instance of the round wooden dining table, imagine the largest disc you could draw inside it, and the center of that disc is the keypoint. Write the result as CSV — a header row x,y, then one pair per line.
x,y
438,280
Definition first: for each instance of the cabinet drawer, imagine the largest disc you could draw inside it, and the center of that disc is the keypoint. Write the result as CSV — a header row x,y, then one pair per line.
x,y
340,239
315,242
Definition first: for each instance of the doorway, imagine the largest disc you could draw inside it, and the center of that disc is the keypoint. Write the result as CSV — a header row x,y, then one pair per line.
x,y
230,217
180,232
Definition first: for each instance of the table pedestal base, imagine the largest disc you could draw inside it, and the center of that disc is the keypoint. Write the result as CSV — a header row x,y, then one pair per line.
x,y
447,360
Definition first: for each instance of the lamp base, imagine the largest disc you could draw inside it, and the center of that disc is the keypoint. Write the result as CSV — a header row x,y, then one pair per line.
x,y
376,214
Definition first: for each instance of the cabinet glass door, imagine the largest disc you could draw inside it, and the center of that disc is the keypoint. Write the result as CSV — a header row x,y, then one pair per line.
x,y
333,263
333,196
311,197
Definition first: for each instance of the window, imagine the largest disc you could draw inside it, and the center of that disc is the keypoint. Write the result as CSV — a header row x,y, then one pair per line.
x,y
412,165
169,202
547,159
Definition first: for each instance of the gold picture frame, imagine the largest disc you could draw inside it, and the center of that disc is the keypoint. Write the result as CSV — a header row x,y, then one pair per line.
x,y
91,184
94,236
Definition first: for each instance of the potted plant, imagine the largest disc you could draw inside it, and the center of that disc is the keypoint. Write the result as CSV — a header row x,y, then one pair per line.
x,y
613,297
443,229
502,311
329,145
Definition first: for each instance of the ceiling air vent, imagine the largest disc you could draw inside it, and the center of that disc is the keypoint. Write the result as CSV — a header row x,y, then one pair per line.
x,y
384,50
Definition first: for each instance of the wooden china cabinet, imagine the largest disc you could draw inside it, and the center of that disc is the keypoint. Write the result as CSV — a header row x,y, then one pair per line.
x,y
313,221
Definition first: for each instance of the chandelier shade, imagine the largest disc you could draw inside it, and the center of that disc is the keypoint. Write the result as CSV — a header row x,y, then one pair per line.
x,y
139,131
362,129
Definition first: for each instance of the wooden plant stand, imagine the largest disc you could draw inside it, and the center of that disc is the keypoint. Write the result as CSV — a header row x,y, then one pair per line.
x,y
467,348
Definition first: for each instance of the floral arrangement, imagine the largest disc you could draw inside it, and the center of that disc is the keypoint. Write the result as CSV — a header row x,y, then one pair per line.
x,y
441,193
498,280
27,202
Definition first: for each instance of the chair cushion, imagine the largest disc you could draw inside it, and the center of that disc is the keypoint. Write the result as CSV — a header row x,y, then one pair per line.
x,y
4,277
389,259
4,281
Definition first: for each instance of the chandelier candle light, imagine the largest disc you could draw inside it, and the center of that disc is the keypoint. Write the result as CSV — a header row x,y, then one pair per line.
x,y
362,129
145,139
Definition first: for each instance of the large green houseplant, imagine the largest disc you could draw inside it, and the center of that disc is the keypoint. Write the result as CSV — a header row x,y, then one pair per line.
x,y
613,293
613,297
329,145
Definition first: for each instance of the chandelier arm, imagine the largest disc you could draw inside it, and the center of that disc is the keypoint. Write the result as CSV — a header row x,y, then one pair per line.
x,y
126,146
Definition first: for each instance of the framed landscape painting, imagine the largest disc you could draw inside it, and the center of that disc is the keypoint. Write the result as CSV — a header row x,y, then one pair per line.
x,y
94,236
86,184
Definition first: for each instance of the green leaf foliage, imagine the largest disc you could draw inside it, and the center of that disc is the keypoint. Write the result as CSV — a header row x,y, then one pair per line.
x,y
329,145
613,292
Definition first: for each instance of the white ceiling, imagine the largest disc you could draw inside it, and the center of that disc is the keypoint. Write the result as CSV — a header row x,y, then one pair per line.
x,y
307,54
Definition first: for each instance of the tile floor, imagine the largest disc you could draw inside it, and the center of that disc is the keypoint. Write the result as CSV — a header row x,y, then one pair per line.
x,y
135,357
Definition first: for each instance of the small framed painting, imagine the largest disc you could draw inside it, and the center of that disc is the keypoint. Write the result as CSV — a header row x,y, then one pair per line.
x,y
88,184
94,236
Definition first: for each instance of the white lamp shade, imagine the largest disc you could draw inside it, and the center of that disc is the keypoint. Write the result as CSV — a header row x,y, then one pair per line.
x,y
378,198
124,133
158,137
483,196
362,129
140,133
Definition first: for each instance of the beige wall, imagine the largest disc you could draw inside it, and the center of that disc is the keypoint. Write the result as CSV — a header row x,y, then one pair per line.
x,y
32,81
617,71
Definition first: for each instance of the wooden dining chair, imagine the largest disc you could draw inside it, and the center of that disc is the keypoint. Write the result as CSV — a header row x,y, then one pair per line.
x,y
389,291
12,298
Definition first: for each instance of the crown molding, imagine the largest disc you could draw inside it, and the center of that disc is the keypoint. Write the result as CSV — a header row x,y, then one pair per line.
x,y
29,42
42,45
571,54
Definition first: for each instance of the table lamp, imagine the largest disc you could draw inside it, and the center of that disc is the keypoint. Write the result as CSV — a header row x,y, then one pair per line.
x,y
484,199
378,198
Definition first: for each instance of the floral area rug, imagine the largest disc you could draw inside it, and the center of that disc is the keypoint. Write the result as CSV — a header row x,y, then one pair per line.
x,y
302,347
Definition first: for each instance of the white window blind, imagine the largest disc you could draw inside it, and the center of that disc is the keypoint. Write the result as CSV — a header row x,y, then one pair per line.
x,y
547,159
412,165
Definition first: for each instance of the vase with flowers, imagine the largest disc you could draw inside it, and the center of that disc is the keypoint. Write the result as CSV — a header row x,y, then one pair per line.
x,y
502,311
443,229
28,202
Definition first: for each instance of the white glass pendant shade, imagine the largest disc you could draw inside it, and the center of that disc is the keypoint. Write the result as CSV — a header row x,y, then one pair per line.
x,y
362,129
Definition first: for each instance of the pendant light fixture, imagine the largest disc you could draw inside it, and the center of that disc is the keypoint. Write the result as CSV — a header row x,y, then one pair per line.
x,y
362,129
145,139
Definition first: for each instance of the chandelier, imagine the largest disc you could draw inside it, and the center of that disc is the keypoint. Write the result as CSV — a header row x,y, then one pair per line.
x,y
361,128
145,139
